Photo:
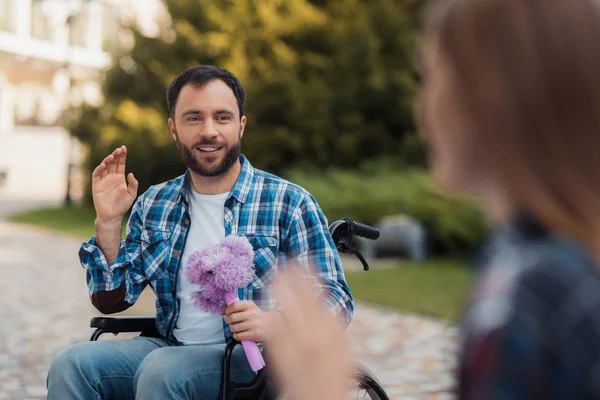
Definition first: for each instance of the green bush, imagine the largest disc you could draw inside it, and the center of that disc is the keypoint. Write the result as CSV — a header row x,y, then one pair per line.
x,y
454,226
328,82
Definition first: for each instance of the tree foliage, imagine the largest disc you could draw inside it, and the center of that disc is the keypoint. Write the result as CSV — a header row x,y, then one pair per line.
x,y
328,82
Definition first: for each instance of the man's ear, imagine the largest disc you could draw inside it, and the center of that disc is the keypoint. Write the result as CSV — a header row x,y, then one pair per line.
x,y
173,129
242,126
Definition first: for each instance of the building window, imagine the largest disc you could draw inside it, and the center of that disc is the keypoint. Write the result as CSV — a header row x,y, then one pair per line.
x,y
41,21
111,26
78,23
7,15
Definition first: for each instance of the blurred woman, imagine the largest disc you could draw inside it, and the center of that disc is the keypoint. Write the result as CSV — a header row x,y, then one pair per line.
x,y
511,111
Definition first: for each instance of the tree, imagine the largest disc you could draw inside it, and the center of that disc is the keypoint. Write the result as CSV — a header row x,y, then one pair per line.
x,y
328,82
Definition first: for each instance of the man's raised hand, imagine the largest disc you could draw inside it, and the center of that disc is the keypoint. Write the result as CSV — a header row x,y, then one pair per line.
x,y
112,196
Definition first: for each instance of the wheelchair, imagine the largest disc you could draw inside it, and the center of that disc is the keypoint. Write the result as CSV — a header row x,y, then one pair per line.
x,y
262,387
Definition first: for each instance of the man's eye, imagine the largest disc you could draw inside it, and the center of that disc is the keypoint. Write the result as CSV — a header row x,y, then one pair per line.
x,y
193,119
223,118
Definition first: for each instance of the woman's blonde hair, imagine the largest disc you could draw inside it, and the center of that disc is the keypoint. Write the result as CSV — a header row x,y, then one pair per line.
x,y
528,73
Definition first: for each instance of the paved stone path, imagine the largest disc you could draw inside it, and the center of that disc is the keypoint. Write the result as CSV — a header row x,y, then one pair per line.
x,y
44,307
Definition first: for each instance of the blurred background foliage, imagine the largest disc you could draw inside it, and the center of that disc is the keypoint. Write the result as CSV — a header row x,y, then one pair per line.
x,y
331,90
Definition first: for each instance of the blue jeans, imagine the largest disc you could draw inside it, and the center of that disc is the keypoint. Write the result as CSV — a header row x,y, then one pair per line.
x,y
141,368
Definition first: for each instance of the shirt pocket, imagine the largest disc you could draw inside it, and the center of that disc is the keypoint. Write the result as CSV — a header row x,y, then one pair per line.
x,y
265,259
155,248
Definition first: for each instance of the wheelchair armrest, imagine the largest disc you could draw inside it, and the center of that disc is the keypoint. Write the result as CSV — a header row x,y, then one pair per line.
x,y
124,324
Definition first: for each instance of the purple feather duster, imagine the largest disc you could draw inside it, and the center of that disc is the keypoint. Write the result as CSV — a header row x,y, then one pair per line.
x,y
220,269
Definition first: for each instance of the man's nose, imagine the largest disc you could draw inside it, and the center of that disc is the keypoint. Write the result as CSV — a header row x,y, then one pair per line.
x,y
210,129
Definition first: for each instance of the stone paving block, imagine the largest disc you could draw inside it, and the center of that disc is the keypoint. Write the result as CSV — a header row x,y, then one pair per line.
x,y
412,356
11,385
36,390
16,393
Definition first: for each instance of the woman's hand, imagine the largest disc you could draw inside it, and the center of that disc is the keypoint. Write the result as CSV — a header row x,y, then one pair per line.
x,y
309,354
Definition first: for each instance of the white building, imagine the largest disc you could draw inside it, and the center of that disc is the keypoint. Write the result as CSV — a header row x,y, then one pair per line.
x,y
52,53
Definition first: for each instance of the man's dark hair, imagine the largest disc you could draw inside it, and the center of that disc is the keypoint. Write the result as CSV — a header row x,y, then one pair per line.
x,y
198,77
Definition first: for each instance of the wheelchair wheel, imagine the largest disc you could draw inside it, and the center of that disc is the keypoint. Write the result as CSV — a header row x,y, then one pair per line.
x,y
367,386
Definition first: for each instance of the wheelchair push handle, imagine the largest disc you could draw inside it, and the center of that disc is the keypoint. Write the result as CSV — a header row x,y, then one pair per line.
x,y
365,231
344,230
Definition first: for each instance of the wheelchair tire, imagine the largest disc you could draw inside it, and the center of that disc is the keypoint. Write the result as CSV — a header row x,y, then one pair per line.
x,y
370,388
367,387
368,384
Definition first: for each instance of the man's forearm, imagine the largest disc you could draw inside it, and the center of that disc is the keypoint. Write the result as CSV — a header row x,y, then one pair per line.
x,y
108,238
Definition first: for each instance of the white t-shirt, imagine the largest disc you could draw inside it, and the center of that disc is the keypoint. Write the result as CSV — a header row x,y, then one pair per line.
x,y
207,228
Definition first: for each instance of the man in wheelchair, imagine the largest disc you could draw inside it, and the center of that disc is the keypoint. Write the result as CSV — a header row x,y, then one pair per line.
x,y
220,194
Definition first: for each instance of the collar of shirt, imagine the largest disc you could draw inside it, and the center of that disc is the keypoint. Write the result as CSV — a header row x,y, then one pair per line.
x,y
240,190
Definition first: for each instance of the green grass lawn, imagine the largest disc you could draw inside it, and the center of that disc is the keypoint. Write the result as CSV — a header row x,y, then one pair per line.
x,y
76,221
437,287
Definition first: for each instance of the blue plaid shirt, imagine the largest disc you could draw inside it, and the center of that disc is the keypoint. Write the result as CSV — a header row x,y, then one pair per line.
x,y
532,327
282,221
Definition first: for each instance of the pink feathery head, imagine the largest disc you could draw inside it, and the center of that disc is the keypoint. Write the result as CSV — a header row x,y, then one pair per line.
x,y
194,269
211,291
207,303
240,247
220,269
233,273
236,271
202,264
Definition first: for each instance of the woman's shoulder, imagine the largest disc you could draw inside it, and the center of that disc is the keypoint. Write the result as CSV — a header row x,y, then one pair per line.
x,y
535,308
551,264
531,273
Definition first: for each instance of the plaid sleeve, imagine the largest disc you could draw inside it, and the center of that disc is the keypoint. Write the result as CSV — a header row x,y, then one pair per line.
x,y
310,244
506,363
127,268
515,357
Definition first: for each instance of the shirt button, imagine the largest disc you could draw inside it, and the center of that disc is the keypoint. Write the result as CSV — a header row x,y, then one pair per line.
x,y
177,254
187,222
173,288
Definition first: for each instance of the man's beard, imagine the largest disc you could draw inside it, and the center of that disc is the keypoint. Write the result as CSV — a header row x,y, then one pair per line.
x,y
232,154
